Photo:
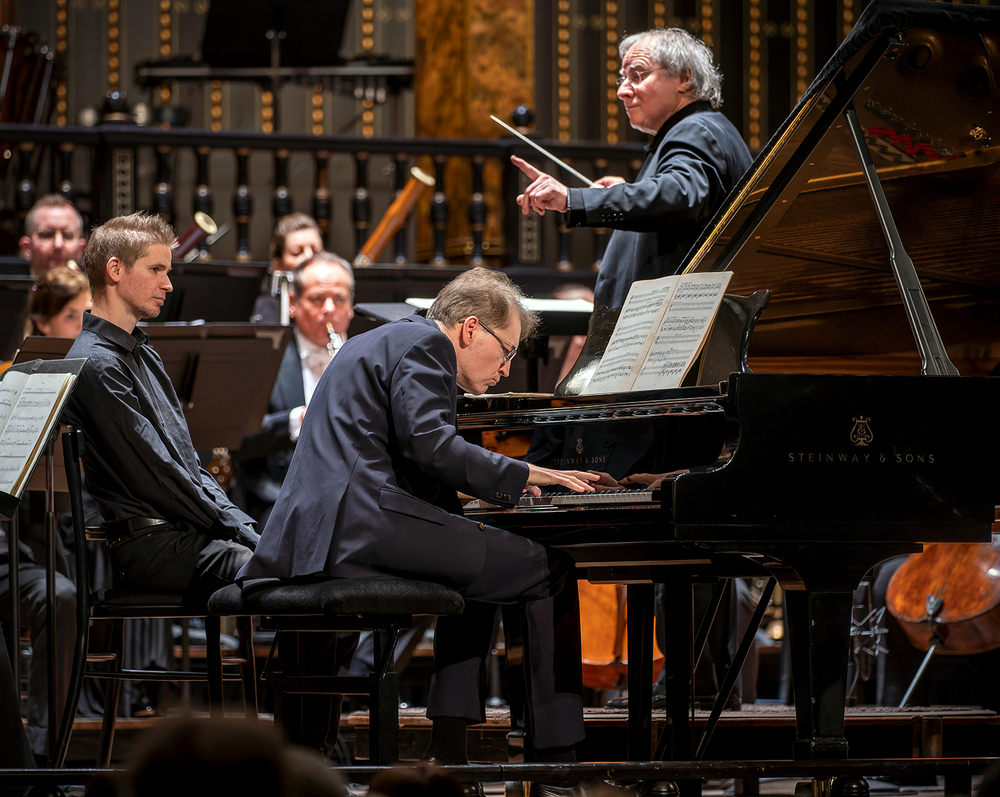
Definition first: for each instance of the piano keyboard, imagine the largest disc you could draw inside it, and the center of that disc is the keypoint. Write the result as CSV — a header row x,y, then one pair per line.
x,y
602,498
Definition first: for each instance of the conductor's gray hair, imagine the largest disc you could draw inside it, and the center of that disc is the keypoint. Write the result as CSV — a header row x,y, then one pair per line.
x,y
681,54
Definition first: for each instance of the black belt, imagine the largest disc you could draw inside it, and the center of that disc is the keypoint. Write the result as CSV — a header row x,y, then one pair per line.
x,y
121,530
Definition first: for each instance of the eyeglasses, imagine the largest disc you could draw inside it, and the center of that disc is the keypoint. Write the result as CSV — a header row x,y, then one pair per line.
x,y
508,350
634,77
48,235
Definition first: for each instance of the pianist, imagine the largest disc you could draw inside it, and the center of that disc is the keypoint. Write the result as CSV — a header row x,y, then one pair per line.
x,y
671,90
371,490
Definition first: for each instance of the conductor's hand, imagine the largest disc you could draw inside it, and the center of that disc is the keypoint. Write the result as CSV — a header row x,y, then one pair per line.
x,y
544,193
577,480
607,181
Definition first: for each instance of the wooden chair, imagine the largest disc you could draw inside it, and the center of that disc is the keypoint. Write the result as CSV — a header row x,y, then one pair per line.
x,y
120,603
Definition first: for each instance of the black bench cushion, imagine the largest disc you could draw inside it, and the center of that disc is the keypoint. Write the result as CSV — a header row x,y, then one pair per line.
x,y
336,596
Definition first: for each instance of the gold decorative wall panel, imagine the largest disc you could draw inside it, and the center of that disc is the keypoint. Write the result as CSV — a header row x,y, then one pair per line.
x,y
474,58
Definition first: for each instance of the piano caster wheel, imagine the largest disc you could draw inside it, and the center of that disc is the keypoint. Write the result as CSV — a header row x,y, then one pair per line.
x,y
658,788
850,787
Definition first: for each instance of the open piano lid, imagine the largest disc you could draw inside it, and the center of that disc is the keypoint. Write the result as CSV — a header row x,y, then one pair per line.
x,y
922,80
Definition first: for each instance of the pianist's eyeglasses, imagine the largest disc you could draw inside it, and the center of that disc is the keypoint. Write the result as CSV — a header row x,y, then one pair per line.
x,y
508,350
634,77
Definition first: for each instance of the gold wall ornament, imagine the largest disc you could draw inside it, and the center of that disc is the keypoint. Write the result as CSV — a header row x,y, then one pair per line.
x,y
754,83
114,46
611,77
473,58
563,92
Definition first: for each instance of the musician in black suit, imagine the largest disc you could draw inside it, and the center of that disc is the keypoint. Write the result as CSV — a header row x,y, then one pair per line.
x,y
671,90
322,293
373,490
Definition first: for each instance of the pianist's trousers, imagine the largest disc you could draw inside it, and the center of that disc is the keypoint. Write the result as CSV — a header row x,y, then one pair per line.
x,y
515,571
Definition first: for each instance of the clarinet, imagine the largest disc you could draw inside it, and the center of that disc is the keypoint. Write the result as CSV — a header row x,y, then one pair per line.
x,y
335,341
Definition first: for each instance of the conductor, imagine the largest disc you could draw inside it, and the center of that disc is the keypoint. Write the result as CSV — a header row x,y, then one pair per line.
x,y
373,489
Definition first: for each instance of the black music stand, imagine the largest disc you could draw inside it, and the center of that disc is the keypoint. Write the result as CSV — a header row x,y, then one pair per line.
x,y
236,32
211,292
45,480
223,375
14,291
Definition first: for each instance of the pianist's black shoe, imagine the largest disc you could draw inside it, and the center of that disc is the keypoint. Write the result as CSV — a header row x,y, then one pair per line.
x,y
550,790
703,702
659,698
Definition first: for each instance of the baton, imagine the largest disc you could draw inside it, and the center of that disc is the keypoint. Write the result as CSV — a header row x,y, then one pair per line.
x,y
544,151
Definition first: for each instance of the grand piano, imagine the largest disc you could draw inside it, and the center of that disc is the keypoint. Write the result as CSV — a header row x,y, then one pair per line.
x,y
852,416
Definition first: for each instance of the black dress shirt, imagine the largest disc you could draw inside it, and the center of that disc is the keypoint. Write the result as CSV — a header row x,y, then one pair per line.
x,y
139,458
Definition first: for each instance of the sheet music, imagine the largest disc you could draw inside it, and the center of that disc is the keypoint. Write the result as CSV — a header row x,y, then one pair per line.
x,y
642,311
683,331
10,391
25,425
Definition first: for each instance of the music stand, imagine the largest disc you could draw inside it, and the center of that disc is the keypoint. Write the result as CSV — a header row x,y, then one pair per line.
x,y
14,290
223,375
236,32
210,292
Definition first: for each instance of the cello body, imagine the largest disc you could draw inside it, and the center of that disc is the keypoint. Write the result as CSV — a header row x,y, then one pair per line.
x,y
965,578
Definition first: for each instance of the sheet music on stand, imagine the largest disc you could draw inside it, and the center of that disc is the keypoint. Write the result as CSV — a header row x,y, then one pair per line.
x,y
32,397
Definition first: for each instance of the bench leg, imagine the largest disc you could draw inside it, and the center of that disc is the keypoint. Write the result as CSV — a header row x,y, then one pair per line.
x,y
383,724
213,664
248,670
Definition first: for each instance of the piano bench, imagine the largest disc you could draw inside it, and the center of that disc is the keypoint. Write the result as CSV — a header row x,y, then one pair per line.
x,y
383,606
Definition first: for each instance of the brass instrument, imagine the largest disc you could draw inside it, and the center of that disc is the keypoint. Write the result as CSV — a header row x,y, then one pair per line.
x,y
200,229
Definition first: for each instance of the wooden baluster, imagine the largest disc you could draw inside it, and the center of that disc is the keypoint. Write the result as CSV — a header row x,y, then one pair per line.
x,y
362,207
402,177
26,189
242,204
601,234
281,199
65,188
163,191
202,192
322,205
477,211
439,212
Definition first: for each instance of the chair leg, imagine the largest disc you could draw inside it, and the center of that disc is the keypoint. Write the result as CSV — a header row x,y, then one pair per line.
x,y
112,694
213,664
248,670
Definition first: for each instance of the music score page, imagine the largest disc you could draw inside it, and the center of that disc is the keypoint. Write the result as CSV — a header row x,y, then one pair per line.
x,y
662,327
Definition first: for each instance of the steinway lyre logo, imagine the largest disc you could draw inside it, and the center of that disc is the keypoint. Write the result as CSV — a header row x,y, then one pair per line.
x,y
579,445
861,432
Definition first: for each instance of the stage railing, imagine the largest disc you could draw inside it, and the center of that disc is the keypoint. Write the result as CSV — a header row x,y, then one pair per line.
x,y
131,168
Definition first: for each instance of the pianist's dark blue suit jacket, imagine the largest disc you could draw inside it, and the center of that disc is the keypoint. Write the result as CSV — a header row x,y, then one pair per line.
x,y
372,484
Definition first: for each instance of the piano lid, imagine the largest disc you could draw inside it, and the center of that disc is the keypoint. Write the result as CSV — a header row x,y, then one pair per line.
x,y
922,79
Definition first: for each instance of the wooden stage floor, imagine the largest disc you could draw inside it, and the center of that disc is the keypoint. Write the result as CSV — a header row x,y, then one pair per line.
x,y
763,732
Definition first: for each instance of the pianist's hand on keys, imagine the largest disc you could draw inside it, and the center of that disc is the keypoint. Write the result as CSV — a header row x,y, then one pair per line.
x,y
576,480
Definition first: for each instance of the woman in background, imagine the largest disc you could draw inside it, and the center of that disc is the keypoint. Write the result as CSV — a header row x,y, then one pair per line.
x,y
57,304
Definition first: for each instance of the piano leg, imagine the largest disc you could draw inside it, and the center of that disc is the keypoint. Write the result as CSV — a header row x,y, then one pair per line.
x,y
819,622
819,665
640,671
